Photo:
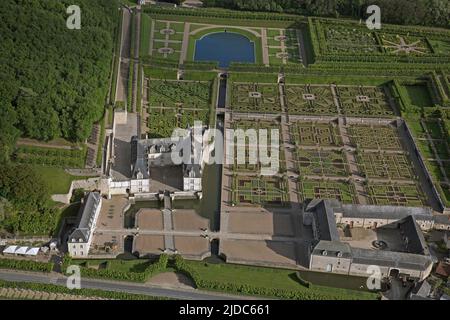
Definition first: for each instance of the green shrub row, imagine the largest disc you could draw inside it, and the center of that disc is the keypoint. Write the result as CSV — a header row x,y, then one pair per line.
x,y
214,13
306,294
77,292
154,268
27,265
130,87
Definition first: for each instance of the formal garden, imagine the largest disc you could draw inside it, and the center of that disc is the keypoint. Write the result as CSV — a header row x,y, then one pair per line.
x,y
393,194
343,191
258,128
255,97
310,100
173,93
364,101
165,39
337,40
254,190
382,165
177,104
320,163
374,137
315,134
283,46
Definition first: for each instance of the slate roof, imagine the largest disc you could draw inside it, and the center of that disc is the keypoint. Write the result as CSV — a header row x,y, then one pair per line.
x,y
91,203
385,212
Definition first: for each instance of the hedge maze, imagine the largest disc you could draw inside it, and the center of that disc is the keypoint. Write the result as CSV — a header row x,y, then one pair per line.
x,y
396,194
341,39
255,98
259,191
177,104
255,164
173,93
392,166
310,100
315,134
364,101
321,163
374,137
321,189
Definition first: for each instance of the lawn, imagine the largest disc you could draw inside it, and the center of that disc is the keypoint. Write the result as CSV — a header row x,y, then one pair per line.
x,y
269,278
57,179
418,95
145,35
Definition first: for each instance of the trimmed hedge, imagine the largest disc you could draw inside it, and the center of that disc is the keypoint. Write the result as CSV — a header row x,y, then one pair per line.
x,y
27,265
159,266
306,294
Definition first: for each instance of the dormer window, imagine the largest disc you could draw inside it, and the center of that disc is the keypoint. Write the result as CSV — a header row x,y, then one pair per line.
x,y
324,252
339,254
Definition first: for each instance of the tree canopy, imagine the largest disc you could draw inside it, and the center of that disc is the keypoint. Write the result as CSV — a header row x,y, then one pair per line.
x,y
54,80
412,12
24,201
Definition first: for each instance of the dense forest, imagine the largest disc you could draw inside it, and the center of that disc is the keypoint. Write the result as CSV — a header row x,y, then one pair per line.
x,y
54,80
411,12
24,201
54,83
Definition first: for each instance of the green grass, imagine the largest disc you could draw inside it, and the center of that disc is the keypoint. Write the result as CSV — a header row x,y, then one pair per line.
x,y
58,181
136,265
145,34
418,95
268,278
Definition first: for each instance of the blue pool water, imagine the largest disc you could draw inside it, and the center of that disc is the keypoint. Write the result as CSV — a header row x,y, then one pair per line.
x,y
225,47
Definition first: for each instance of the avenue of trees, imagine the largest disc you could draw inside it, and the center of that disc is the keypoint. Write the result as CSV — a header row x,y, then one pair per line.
x,y
411,12
54,80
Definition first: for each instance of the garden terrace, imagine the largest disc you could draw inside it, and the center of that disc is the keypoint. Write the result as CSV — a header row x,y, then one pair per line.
x,y
396,195
321,189
319,163
364,101
259,191
256,98
310,100
374,137
315,134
